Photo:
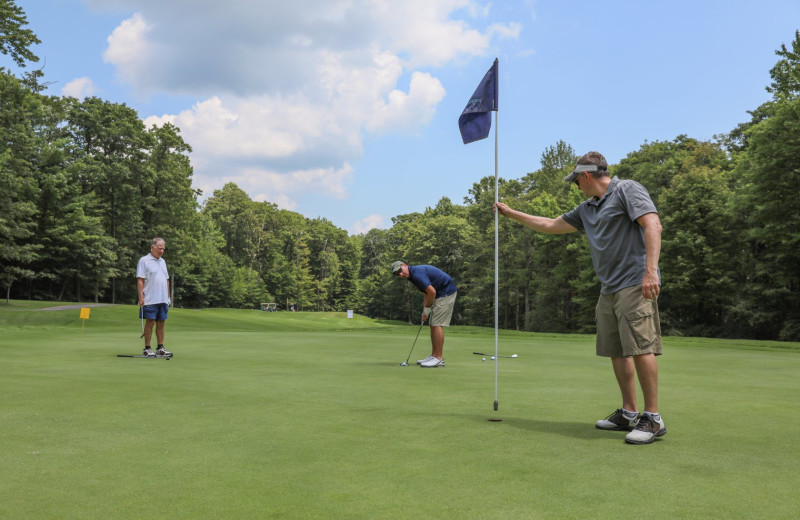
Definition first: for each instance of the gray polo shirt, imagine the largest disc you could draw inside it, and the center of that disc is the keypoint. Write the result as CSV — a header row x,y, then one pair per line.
x,y
616,240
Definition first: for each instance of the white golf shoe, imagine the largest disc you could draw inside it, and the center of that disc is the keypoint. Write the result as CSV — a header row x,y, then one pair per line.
x,y
421,361
649,427
619,420
432,363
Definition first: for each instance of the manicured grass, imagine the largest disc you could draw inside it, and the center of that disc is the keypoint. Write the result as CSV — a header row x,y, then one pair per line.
x,y
308,415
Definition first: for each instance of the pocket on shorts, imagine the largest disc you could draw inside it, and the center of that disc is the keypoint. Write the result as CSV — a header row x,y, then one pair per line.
x,y
642,324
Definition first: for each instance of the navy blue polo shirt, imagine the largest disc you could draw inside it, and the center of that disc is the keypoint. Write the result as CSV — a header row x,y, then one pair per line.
x,y
424,275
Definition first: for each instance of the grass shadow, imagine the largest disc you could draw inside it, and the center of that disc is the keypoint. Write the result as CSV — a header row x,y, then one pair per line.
x,y
575,430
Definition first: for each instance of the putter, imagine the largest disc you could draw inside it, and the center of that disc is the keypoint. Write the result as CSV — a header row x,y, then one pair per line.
x,y
141,313
145,357
405,364
492,355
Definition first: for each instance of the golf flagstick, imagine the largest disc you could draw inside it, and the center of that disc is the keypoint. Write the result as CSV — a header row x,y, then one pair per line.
x,y
496,247
475,123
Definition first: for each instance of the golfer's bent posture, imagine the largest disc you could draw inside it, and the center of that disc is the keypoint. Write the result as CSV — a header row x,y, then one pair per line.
x,y
152,282
624,233
439,296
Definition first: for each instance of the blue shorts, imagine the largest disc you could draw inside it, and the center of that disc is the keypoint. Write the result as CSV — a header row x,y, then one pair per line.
x,y
157,311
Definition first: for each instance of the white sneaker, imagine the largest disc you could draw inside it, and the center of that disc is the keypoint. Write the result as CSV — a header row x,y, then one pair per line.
x,y
148,352
432,363
647,430
421,361
618,420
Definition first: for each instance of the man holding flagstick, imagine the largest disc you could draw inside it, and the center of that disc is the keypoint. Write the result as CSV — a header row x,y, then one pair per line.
x,y
624,232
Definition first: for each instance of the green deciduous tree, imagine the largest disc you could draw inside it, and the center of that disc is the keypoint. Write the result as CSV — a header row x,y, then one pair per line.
x,y
770,169
19,145
15,40
109,148
700,248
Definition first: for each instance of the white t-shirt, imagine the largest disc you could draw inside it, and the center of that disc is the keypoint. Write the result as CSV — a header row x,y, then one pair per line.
x,y
155,275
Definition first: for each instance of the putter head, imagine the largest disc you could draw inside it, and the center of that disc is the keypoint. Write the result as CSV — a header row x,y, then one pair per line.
x,y
403,364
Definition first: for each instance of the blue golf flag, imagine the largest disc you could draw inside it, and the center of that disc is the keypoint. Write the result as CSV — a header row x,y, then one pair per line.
x,y
476,119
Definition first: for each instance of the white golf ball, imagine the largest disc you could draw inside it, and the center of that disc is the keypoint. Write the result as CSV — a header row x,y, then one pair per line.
x,y
492,357
484,359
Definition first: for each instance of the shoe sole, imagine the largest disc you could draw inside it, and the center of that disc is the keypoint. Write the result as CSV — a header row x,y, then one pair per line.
x,y
659,433
434,366
617,429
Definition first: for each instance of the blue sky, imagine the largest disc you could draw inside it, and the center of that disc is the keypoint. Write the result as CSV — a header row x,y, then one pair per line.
x,y
348,109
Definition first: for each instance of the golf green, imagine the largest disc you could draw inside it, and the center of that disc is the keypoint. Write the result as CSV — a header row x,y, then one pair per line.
x,y
309,415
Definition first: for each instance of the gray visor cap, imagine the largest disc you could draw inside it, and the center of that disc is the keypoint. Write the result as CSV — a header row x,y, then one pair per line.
x,y
582,168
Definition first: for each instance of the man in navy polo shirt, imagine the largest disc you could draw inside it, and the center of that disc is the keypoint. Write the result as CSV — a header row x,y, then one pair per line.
x,y
439,296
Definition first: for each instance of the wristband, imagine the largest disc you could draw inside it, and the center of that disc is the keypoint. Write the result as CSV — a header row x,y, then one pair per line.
x,y
426,311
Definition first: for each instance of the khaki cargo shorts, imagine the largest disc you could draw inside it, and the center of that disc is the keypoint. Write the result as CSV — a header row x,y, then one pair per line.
x,y
442,311
627,324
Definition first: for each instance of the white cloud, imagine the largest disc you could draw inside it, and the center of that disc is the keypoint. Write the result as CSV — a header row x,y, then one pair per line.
x,y
287,92
79,88
130,51
510,30
323,180
367,223
249,128
427,34
283,201
279,187
408,111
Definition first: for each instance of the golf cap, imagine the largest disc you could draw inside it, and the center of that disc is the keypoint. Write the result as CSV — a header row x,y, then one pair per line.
x,y
580,168
396,266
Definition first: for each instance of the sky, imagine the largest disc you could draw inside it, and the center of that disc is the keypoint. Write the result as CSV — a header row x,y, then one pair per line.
x,y
348,109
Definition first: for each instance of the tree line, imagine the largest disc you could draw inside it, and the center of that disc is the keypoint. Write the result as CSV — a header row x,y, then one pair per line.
x,y
85,185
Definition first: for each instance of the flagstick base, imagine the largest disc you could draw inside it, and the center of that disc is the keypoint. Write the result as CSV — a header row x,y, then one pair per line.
x,y
495,409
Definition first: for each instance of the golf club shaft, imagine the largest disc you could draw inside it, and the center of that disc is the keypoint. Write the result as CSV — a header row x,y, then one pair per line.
x,y
421,323
482,354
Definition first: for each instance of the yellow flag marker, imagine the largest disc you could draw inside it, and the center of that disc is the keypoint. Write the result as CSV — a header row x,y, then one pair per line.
x,y
84,317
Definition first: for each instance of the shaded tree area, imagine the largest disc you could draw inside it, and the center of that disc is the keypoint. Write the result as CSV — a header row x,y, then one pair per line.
x,y
85,186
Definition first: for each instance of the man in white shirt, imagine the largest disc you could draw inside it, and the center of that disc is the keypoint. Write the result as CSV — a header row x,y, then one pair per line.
x,y
152,281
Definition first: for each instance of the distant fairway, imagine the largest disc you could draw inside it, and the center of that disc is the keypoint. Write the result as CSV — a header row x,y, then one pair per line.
x,y
308,415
